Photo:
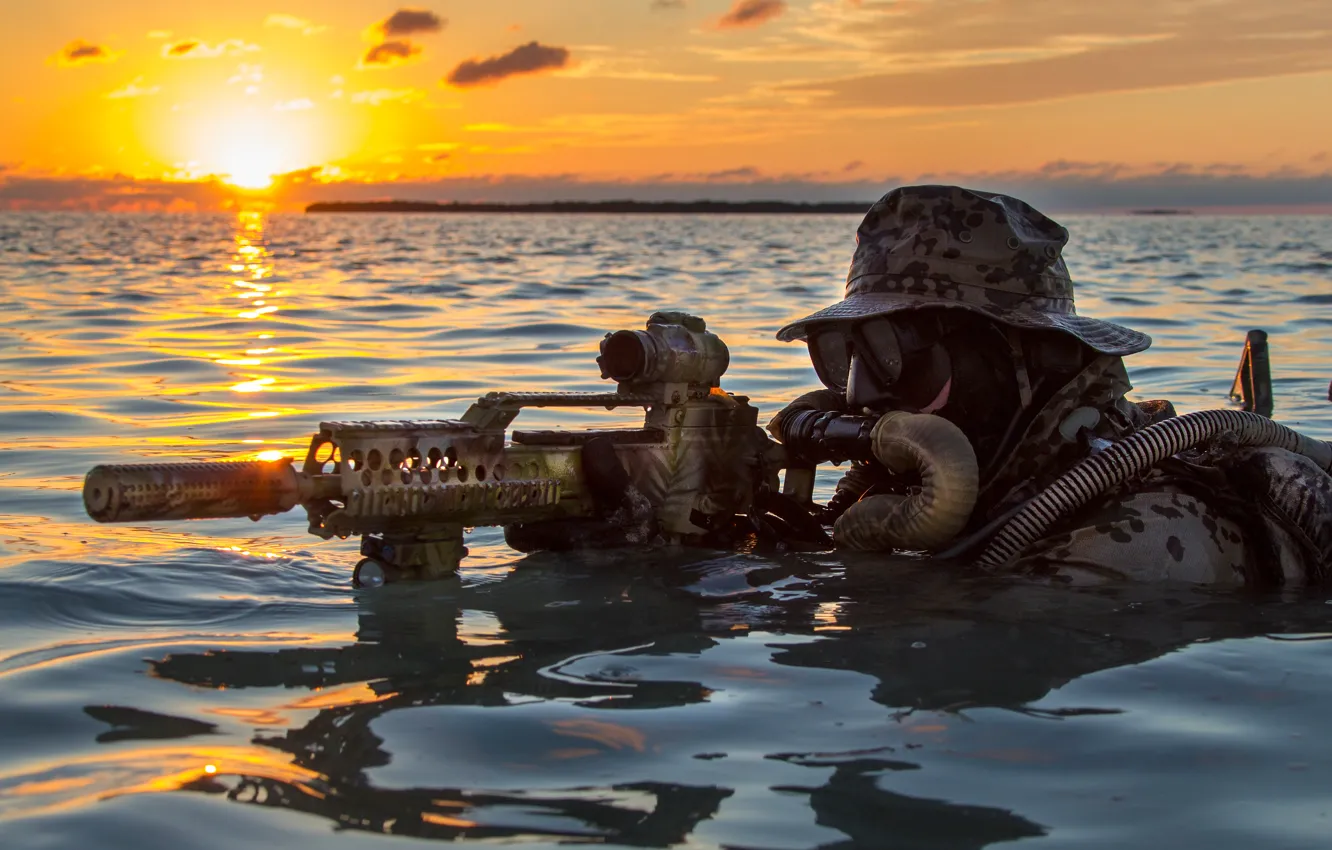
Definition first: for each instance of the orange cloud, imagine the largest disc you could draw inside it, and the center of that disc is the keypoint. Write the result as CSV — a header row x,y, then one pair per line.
x,y
529,58
405,22
390,53
191,48
751,13
1027,51
1133,66
79,52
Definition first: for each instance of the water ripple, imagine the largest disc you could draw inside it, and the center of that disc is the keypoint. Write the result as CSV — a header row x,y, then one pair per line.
x,y
660,699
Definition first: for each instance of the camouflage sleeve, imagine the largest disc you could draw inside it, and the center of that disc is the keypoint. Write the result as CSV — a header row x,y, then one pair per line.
x,y
1163,534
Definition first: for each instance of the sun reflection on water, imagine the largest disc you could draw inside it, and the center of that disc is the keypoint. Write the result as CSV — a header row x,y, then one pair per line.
x,y
252,264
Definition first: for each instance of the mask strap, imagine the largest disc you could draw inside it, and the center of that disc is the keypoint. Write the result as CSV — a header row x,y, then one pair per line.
x,y
1020,364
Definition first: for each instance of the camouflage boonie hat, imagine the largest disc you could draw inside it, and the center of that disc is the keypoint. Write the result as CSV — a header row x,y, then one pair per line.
x,y
945,246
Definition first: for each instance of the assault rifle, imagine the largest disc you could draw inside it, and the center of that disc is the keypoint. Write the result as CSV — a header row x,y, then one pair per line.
x,y
699,466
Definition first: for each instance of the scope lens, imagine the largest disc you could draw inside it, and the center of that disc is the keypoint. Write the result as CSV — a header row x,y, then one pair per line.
x,y
623,356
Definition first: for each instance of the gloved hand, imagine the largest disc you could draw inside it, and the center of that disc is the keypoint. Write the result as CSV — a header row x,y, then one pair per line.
x,y
858,479
815,400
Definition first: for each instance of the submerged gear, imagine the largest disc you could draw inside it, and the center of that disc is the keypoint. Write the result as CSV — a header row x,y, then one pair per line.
x,y
982,252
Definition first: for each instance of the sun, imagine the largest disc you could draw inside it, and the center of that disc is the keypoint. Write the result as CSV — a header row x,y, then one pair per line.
x,y
247,177
250,160
248,148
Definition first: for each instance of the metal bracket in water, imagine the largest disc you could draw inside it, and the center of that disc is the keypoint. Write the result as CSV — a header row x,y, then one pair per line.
x,y
1253,379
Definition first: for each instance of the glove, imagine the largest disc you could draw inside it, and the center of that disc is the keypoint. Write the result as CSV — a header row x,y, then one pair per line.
x,y
816,400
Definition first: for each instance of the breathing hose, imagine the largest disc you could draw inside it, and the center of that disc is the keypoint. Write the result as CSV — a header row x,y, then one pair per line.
x,y
930,516
1134,455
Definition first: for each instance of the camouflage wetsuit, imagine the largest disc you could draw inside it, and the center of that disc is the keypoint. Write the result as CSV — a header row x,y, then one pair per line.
x,y
1217,515
1198,518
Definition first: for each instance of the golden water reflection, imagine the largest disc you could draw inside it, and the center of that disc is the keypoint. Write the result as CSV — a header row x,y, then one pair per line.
x,y
252,264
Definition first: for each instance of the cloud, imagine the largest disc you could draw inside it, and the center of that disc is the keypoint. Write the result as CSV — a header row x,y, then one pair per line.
x,y
1056,187
191,48
291,22
297,105
750,13
133,89
79,52
405,22
248,74
632,68
38,192
390,53
1007,52
378,97
658,5
526,59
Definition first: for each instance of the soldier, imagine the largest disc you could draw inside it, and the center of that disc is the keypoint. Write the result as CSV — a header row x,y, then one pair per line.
x,y
959,304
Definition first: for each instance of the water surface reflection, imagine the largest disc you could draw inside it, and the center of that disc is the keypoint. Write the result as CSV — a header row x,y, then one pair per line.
x,y
155,675
630,671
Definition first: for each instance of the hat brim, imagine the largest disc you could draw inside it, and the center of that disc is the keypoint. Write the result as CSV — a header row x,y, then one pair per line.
x,y
1105,337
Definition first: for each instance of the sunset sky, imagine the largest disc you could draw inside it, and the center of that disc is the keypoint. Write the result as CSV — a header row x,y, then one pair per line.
x,y
138,104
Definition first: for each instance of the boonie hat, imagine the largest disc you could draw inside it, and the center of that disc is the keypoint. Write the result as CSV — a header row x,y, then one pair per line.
x,y
946,246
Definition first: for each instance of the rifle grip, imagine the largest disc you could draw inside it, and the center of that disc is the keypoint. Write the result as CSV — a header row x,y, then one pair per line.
x,y
605,476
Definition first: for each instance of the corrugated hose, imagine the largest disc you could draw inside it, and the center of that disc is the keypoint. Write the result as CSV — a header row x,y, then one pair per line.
x,y
1132,456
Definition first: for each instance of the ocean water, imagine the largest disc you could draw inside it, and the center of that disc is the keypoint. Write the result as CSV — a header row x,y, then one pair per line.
x,y
220,683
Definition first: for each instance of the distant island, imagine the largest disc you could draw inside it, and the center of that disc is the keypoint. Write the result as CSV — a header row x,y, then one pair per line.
x,y
589,207
1161,211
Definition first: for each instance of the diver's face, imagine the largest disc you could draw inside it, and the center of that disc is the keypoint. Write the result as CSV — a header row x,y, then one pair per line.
x,y
949,362
923,385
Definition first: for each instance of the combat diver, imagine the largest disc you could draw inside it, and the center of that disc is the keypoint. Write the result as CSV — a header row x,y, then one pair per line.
x,y
958,331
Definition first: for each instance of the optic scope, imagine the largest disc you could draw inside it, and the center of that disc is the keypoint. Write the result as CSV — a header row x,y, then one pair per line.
x,y
675,348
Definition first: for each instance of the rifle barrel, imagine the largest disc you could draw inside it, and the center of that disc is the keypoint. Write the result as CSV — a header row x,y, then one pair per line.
x,y
156,491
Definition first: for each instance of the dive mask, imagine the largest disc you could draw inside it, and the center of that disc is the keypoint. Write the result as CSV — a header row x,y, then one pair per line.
x,y
896,359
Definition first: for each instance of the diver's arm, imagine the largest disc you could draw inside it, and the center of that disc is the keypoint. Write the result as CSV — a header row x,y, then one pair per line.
x,y
859,478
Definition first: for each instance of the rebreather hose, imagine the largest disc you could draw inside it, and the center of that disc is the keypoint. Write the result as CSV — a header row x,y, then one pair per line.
x,y
1134,455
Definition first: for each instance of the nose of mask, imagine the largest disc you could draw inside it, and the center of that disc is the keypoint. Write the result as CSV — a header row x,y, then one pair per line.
x,y
924,384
